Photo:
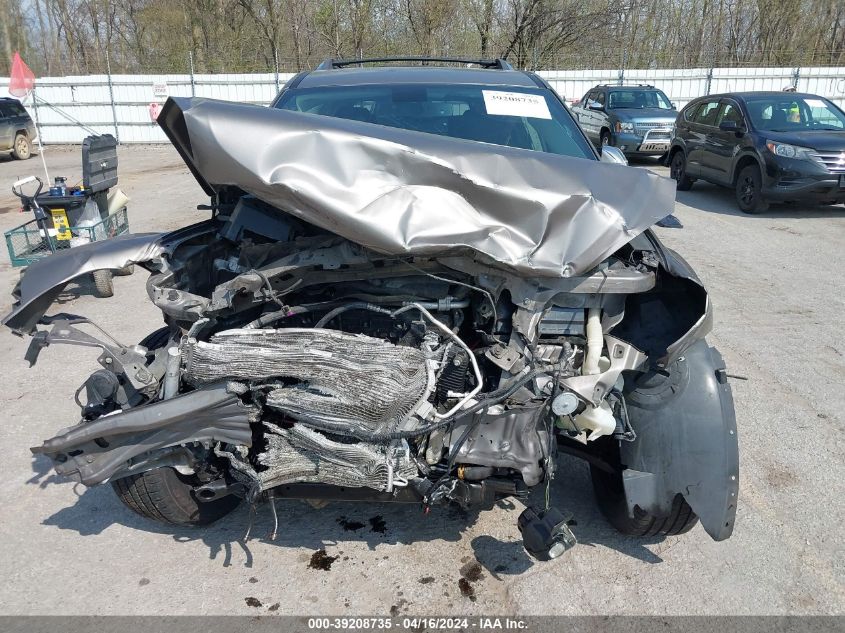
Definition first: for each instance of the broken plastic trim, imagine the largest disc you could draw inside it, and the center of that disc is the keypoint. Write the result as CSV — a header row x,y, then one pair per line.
x,y
92,452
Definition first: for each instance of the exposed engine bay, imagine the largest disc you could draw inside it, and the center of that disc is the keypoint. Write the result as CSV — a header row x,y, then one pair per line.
x,y
297,363
333,365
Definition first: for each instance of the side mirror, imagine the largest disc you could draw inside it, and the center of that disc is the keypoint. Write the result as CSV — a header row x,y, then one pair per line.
x,y
730,126
610,154
596,106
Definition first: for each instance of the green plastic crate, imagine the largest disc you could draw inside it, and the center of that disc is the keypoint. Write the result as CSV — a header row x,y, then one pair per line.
x,y
27,243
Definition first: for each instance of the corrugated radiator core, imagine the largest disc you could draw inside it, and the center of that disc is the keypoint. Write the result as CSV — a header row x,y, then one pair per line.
x,y
326,379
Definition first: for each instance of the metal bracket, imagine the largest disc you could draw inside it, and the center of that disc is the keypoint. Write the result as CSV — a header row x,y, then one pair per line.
x,y
129,361
502,357
593,389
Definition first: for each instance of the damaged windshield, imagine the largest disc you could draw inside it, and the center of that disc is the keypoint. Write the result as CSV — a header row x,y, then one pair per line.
x,y
515,117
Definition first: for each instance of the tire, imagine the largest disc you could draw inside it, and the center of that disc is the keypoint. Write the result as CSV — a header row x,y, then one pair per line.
x,y
166,496
749,190
610,496
103,282
163,494
156,339
125,271
678,171
22,149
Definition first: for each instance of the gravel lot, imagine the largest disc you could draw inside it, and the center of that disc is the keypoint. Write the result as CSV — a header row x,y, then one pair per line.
x,y
777,285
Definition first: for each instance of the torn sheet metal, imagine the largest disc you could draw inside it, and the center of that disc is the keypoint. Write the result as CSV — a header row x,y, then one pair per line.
x,y
43,281
401,192
91,452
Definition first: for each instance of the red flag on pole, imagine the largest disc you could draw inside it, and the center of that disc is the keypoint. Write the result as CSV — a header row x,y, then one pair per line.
x,y
21,79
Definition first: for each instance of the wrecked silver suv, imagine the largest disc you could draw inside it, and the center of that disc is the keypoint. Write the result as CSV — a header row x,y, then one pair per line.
x,y
384,314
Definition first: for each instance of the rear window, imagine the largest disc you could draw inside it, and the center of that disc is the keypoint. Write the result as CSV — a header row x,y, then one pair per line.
x,y
524,118
689,112
706,114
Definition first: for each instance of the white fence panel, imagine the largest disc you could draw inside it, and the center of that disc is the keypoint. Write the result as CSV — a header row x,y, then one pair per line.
x,y
571,85
681,86
122,108
829,82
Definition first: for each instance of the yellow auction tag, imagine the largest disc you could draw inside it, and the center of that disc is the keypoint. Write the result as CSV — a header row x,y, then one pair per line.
x,y
61,224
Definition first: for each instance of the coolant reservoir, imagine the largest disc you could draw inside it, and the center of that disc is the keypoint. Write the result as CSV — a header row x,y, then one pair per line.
x,y
598,420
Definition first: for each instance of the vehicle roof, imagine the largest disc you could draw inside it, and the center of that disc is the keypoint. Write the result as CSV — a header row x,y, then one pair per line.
x,y
625,87
758,93
417,74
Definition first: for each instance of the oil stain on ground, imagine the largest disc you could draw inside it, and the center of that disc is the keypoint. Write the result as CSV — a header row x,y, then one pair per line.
x,y
319,560
466,589
377,524
397,608
252,602
470,572
349,525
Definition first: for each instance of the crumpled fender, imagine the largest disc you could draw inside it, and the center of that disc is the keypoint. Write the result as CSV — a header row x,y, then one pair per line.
x,y
677,266
686,441
42,282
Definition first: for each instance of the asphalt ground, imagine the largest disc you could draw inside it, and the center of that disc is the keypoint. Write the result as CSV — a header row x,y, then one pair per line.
x,y
776,282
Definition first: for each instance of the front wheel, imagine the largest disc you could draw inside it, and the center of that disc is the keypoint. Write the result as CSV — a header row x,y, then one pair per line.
x,y
167,496
610,495
163,494
749,190
678,171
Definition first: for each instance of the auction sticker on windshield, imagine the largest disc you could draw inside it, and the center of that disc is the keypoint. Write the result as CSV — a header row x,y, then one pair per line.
x,y
516,104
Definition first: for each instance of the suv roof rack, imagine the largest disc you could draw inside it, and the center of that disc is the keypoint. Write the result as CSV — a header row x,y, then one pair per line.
x,y
624,85
498,63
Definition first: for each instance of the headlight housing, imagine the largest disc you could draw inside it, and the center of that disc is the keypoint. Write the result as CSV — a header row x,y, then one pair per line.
x,y
790,151
624,126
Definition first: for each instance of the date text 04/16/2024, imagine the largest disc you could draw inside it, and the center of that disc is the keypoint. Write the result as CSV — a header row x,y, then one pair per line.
x,y
480,623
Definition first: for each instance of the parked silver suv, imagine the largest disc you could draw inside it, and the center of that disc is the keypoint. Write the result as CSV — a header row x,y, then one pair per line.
x,y
636,119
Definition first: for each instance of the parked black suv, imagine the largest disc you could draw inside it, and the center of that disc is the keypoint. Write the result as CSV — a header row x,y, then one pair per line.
x,y
16,129
636,119
768,146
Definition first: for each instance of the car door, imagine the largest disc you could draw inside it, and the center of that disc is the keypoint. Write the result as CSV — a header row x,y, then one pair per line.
x,y
601,120
586,116
696,142
7,127
720,146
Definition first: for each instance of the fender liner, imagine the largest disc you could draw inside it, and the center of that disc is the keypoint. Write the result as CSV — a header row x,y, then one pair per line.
x,y
686,441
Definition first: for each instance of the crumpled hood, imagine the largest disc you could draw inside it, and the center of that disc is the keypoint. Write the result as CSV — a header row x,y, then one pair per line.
x,y
401,192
